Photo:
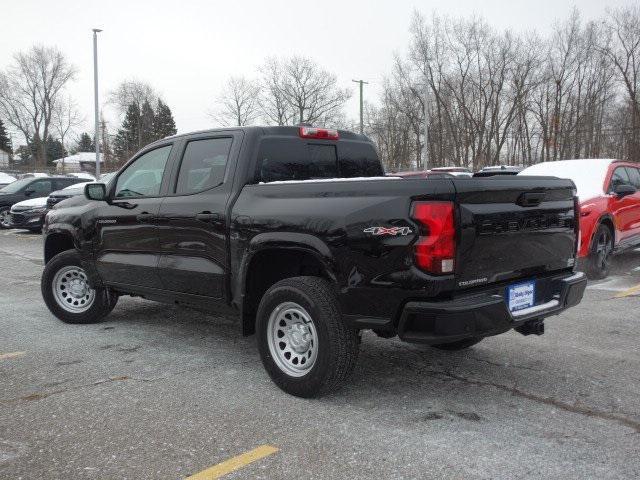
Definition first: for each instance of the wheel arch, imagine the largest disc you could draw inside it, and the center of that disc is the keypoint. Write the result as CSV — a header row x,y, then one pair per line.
x,y
57,242
607,220
271,258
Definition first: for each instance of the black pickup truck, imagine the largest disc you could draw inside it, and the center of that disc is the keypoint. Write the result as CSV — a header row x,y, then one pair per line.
x,y
297,233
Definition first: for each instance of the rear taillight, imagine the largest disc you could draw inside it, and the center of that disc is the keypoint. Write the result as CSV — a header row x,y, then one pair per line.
x,y
319,133
577,213
435,249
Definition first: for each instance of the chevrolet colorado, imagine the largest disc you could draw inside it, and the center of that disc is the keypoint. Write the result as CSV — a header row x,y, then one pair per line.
x,y
297,233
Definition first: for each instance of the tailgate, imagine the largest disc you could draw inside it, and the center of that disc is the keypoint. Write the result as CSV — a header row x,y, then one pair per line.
x,y
513,227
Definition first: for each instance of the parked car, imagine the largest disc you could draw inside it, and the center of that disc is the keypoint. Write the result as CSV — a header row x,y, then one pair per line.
x,y
296,233
83,176
33,175
456,171
609,207
421,174
29,187
28,214
6,179
498,170
74,191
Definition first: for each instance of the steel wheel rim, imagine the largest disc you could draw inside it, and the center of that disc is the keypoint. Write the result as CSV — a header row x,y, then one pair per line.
x,y
71,290
4,217
292,339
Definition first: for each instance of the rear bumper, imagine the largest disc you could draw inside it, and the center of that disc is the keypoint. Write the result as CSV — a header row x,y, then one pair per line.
x,y
485,314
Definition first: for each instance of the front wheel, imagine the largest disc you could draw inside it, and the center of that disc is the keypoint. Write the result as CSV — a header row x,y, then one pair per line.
x,y
4,217
304,344
67,293
599,259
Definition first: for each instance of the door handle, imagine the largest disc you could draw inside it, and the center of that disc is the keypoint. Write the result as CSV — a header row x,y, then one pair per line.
x,y
145,217
207,217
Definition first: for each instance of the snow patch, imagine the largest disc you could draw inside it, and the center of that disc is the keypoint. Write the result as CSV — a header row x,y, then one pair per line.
x,y
588,174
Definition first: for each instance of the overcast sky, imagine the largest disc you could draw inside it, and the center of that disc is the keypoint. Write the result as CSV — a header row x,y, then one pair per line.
x,y
187,49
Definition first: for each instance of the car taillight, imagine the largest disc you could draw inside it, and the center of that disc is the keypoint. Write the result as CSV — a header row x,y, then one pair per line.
x,y
435,249
319,133
577,213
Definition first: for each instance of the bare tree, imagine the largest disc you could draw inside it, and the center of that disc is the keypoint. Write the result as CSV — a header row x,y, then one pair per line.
x,y
298,90
66,117
238,104
132,91
273,102
30,90
312,91
623,48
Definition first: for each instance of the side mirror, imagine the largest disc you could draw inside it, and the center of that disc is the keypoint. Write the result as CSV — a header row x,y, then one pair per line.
x,y
624,189
28,192
95,191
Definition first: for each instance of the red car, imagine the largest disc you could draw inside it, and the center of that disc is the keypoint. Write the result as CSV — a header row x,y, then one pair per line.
x,y
608,192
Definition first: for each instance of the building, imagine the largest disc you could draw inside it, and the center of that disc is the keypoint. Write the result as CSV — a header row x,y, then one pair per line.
x,y
80,162
4,158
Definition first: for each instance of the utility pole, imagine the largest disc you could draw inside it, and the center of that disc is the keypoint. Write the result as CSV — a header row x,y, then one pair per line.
x,y
425,151
361,83
103,138
96,137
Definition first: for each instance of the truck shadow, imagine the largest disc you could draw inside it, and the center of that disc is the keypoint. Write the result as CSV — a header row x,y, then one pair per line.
x,y
387,368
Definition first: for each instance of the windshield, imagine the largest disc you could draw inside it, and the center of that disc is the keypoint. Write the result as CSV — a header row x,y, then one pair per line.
x,y
16,186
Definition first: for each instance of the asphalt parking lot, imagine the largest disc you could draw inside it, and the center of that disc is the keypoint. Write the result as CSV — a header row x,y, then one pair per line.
x,y
164,392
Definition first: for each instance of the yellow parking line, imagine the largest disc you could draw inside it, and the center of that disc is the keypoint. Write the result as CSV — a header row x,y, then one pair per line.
x,y
628,292
4,356
234,463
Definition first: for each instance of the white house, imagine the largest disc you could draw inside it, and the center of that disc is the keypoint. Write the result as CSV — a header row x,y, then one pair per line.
x,y
4,158
80,162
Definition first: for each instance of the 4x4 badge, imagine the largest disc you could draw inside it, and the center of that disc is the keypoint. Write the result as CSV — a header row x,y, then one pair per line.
x,y
388,231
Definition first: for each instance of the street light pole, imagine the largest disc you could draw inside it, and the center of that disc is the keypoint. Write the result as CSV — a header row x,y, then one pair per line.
x,y
425,152
361,82
96,137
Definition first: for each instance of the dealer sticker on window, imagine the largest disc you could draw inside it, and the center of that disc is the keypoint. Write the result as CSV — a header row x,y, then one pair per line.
x,y
521,295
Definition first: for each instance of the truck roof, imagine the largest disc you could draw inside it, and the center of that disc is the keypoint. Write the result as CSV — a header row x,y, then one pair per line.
x,y
292,131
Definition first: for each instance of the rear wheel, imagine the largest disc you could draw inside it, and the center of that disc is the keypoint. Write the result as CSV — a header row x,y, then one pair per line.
x,y
67,293
459,345
304,345
599,259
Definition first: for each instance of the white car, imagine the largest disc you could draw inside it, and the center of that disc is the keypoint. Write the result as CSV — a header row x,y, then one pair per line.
x,y
27,214
6,179
83,175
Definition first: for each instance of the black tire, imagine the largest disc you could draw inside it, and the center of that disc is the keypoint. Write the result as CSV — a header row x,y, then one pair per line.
x,y
102,304
337,345
459,345
599,259
3,211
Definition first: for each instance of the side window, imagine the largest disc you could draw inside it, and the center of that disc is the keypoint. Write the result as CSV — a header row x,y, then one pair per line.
x,y
41,187
634,176
619,177
144,176
203,165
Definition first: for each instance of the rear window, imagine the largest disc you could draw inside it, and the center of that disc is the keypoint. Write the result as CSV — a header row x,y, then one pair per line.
x,y
281,159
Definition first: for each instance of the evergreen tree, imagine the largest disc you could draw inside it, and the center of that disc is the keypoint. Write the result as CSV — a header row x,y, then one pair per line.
x,y
163,125
146,124
85,144
5,141
54,150
127,139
